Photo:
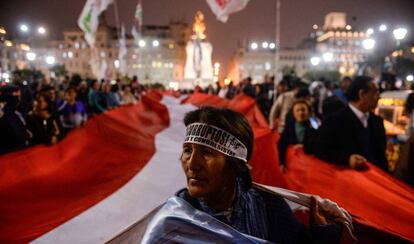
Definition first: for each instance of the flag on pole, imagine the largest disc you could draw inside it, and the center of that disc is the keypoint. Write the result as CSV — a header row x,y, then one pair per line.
x,y
223,8
122,52
89,19
95,62
138,14
136,35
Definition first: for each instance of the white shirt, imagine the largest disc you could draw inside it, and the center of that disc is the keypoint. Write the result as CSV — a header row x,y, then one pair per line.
x,y
363,117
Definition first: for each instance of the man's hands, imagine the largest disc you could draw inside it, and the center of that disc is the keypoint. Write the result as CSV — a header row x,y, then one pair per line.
x,y
358,162
318,217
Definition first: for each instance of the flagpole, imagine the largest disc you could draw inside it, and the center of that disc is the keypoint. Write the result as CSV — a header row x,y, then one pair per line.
x,y
277,50
117,19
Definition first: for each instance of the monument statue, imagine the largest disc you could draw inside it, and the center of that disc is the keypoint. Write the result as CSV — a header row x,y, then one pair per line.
x,y
199,27
198,67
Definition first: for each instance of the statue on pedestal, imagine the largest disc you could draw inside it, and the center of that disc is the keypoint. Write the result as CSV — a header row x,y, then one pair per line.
x,y
198,67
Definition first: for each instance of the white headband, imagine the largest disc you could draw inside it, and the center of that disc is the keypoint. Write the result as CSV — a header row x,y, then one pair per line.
x,y
217,139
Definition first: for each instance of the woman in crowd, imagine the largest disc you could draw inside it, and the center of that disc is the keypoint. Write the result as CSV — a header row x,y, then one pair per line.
x,y
127,96
72,112
218,145
299,132
42,123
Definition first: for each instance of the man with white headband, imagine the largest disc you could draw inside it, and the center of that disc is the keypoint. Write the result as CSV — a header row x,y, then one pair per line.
x,y
216,149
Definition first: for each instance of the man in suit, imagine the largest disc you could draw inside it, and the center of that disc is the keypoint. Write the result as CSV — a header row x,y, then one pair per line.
x,y
355,135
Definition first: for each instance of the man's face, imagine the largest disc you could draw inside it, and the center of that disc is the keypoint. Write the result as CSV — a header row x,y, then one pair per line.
x,y
370,98
345,84
207,172
300,112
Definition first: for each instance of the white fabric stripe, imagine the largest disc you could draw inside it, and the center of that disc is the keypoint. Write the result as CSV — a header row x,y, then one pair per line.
x,y
158,180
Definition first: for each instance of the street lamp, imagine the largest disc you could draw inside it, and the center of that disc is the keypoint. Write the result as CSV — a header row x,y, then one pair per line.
x,y
328,57
50,60
24,28
409,78
383,28
41,30
142,43
272,45
155,43
368,44
254,46
370,31
265,45
116,63
315,61
31,56
399,33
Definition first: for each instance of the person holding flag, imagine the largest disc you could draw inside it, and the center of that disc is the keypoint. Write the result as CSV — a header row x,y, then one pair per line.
x,y
220,195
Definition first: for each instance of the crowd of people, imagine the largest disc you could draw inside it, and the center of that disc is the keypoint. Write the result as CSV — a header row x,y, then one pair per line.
x,y
334,121
34,112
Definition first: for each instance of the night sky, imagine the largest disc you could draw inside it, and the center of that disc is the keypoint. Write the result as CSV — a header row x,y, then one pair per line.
x,y
255,22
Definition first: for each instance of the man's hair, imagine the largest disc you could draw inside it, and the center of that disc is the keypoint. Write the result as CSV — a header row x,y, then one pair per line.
x,y
409,104
360,83
302,101
232,122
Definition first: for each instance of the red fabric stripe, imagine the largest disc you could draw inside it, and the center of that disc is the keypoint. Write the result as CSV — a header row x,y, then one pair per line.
x,y
375,198
42,187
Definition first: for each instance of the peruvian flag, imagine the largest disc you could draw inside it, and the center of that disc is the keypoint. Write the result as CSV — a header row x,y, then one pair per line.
x,y
105,177
223,8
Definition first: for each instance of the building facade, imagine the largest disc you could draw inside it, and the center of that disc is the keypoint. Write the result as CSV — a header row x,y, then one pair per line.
x,y
334,46
260,62
338,46
158,55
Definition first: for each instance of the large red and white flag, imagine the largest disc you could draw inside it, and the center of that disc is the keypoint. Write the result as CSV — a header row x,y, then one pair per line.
x,y
106,176
223,8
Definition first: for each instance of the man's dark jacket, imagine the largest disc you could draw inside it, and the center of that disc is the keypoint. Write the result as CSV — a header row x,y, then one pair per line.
x,y
342,134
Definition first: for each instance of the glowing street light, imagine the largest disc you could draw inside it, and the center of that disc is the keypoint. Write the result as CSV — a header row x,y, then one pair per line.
x,y
5,76
8,43
272,45
327,57
409,78
370,31
254,46
41,30
368,44
116,63
383,28
50,60
24,28
315,61
348,27
31,56
142,43
399,33
155,43
265,45
315,27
